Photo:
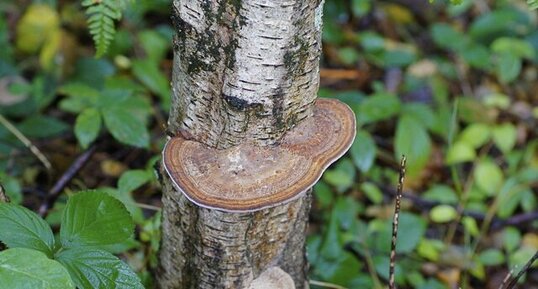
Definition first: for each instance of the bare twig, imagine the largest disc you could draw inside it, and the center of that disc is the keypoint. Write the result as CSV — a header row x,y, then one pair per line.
x,y
54,192
18,134
395,220
506,278
523,270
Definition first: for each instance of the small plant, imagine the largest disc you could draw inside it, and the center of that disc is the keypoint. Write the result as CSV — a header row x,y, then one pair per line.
x,y
92,222
101,17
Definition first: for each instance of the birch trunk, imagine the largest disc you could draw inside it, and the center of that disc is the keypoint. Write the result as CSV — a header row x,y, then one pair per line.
x,y
244,70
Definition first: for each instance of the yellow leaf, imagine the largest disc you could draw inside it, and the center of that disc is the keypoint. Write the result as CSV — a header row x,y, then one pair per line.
x,y
37,24
50,49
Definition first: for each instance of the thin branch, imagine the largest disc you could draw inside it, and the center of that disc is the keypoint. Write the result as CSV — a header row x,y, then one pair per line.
x,y
523,270
325,284
55,191
395,220
506,278
18,134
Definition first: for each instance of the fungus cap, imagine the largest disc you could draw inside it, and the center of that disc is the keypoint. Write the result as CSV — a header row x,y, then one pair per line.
x,y
248,177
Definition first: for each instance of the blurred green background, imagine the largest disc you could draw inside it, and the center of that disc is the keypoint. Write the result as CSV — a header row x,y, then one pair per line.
x,y
453,87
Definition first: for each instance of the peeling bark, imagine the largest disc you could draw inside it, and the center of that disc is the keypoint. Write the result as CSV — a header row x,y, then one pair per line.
x,y
244,70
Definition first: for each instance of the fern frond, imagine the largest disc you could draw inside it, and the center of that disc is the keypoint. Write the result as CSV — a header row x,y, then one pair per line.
x,y
533,4
101,16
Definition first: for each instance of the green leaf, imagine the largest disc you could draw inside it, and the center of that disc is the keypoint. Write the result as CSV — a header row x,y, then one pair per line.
x,y
93,268
87,126
378,107
410,231
488,177
22,268
460,152
471,226
511,238
342,176
149,74
81,96
363,151
12,188
412,140
373,193
443,214
323,193
441,193
154,43
331,247
360,7
491,257
447,37
40,126
22,228
508,67
505,137
515,46
475,135
133,179
94,218
125,127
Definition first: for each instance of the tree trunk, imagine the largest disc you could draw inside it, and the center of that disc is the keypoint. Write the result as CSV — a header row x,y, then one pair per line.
x,y
245,71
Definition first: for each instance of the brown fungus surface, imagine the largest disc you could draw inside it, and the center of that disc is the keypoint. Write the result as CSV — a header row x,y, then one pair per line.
x,y
249,177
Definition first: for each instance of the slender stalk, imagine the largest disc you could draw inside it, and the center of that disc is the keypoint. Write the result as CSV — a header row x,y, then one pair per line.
x,y
523,270
325,284
395,220
18,134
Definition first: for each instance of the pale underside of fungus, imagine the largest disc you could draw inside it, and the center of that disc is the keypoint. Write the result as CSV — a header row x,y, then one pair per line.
x,y
248,177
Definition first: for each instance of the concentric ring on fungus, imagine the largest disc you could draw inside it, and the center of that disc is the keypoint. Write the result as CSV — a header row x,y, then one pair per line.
x,y
247,177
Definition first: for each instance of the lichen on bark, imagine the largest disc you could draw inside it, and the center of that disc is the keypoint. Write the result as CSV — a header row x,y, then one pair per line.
x,y
244,70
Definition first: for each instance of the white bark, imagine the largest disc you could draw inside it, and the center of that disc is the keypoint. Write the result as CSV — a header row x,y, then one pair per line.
x,y
246,69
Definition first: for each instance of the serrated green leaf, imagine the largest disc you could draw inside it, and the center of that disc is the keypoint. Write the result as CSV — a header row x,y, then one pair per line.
x,y
93,268
94,218
363,151
412,140
22,268
87,126
125,127
22,228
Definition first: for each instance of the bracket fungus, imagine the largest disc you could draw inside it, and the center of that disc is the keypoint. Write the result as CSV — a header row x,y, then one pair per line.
x,y
247,177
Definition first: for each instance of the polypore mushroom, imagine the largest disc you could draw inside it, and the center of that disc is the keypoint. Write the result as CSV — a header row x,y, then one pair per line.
x,y
248,177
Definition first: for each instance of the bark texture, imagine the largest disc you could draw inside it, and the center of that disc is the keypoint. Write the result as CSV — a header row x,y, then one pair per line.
x,y
206,248
244,71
